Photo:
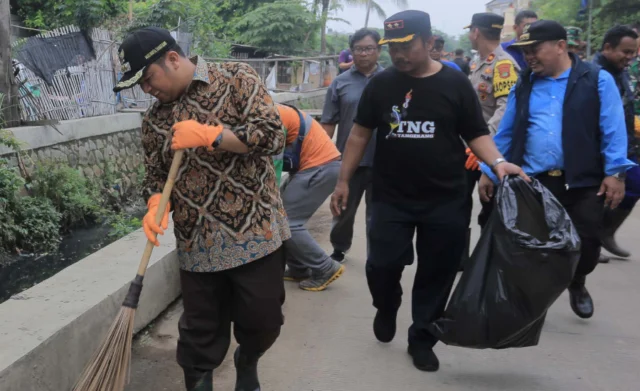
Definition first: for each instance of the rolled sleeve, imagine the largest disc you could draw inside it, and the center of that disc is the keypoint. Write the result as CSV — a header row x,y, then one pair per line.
x,y
262,130
612,126
331,109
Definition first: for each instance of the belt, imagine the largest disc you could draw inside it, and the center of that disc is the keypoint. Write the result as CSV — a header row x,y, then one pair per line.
x,y
552,173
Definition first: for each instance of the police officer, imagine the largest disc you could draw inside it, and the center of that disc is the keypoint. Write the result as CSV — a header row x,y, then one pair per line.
x,y
493,73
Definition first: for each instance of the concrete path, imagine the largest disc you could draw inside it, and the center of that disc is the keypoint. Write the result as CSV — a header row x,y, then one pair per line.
x,y
327,343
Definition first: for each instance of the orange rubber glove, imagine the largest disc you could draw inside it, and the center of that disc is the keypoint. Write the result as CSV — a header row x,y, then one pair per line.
x,y
472,161
192,134
149,221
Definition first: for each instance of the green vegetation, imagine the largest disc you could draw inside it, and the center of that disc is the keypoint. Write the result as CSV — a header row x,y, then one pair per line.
x,y
122,225
77,200
287,27
606,14
52,201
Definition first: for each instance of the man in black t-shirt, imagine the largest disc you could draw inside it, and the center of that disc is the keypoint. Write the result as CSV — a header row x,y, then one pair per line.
x,y
421,110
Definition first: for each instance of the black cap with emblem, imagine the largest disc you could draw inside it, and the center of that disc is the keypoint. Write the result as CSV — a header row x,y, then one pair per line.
x,y
541,31
140,49
406,25
487,20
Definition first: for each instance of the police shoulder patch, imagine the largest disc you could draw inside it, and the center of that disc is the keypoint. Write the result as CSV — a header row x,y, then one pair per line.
x,y
504,77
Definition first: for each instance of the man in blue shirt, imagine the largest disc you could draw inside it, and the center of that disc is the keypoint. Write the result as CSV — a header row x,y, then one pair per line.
x,y
564,125
523,18
619,48
436,53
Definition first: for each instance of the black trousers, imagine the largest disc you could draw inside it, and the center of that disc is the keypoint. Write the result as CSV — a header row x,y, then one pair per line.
x,y
441,230
586,210
250,296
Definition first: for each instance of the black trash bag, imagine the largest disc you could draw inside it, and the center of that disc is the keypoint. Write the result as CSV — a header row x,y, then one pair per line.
x,y
525,258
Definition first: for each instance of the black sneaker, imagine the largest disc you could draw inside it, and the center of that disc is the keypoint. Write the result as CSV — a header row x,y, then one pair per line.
x,y
424,359
384,326
338,256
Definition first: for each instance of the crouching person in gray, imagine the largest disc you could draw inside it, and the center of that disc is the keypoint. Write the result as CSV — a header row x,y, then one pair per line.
x,y
313,163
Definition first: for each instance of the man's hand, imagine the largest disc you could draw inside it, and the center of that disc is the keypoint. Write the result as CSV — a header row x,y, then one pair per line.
x,y
485,188
339,198
505,168
472,163
149,225
613,188
192,134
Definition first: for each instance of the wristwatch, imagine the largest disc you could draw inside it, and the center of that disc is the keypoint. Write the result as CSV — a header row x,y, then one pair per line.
x,y
621,176
498,161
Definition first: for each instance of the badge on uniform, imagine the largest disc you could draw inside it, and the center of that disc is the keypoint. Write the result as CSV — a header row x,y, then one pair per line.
x,y
474,66
482,87
504,77
488,71
483,97
491,58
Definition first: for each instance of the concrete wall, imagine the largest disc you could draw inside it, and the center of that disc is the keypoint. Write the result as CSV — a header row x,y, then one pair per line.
x,y
49,332
95,146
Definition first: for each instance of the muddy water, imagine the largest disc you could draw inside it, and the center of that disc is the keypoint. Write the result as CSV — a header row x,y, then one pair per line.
x,y
18,273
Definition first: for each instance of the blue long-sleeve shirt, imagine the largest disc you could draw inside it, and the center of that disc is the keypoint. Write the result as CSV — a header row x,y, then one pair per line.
x,y
451,65
516,53
543,148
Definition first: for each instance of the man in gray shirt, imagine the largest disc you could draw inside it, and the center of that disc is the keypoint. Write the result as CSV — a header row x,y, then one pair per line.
x,y
340,109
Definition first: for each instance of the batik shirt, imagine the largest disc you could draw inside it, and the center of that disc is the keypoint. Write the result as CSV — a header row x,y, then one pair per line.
x,y
227,209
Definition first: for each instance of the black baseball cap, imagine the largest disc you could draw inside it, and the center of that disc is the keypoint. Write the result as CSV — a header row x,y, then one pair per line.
x,y
140,49
487,20
405,25
541,31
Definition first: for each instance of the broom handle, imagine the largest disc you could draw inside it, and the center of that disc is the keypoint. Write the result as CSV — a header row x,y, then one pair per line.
x,y
162,206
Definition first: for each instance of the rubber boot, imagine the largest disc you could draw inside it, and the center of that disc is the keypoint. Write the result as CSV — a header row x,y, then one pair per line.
x,y
579,298
196,380
246,371
465,252
613,219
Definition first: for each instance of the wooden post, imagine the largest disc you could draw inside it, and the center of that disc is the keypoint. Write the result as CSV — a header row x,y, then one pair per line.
x,y
130,10
7,86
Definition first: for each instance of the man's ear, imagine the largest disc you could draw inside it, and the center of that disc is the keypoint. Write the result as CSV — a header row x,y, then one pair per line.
x,y
172,59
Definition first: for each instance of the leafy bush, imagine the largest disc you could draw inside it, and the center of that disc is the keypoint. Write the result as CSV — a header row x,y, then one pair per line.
x,y
10,184
38,224
121,225
71,194
27,223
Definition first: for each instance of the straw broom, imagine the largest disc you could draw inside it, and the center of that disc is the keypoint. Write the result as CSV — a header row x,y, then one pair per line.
x,y
109,369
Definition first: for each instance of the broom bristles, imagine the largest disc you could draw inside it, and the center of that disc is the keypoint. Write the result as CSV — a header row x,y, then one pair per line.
x,y
109,370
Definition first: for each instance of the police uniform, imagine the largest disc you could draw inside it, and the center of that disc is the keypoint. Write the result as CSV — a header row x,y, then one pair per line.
x,y
493,77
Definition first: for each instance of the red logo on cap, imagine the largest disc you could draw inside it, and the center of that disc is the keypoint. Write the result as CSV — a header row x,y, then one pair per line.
x,y
394,25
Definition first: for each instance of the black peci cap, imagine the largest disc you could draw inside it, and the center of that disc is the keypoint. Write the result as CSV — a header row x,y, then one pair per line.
x,y
140,49
540,31
405,25
487,20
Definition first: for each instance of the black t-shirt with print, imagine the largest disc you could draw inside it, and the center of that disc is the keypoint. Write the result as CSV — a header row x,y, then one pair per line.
x,y
420,155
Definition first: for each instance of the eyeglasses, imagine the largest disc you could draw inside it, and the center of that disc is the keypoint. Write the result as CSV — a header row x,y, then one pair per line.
x,y
367,50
